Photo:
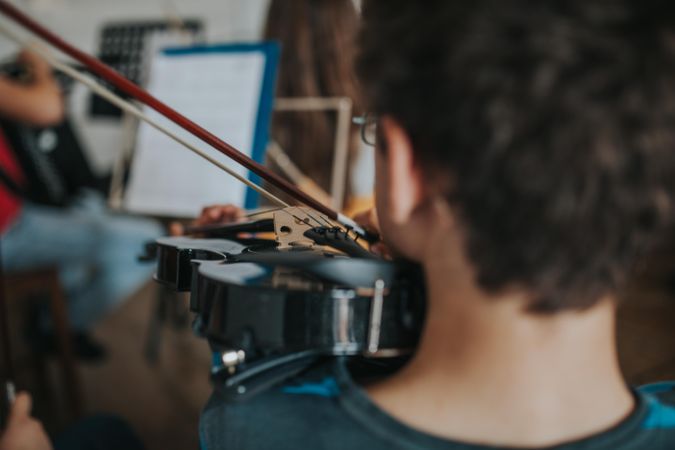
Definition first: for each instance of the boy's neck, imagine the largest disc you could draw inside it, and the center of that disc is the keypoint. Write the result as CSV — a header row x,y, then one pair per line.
x,y
488,372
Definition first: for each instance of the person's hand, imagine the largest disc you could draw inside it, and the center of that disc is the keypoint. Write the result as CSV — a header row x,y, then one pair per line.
x,y
37,66
23,432
368,220
211,215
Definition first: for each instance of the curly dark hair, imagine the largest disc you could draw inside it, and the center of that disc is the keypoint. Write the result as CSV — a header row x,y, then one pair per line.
x,y
554,121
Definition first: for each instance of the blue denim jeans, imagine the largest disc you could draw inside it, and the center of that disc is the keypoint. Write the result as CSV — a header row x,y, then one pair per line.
x,y
95,251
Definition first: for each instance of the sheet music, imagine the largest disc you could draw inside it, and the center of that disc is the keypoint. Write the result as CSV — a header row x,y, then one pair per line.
x,y
220,91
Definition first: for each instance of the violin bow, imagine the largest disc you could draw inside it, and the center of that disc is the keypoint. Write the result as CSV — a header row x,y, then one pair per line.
x,y
106,73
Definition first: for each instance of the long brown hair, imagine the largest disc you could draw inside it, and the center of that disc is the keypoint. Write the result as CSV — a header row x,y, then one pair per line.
x,y
318,49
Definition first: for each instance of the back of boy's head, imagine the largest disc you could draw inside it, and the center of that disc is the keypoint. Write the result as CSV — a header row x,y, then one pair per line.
x,y
552,121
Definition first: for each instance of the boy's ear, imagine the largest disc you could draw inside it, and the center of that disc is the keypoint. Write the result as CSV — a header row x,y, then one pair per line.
x,y
405,188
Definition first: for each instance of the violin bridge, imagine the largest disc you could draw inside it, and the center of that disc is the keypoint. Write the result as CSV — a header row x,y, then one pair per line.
x,y
291,223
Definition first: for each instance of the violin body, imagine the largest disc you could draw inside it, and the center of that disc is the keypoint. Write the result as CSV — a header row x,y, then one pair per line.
x,y
268,313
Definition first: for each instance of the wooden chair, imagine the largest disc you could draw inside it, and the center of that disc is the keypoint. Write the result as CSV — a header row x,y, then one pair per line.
x,y
23,285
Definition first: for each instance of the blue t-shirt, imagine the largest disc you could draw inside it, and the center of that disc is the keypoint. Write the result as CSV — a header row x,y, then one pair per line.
x,y
325,409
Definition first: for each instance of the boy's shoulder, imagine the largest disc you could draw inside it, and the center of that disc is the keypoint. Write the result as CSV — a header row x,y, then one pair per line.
x,y
305,412
325,409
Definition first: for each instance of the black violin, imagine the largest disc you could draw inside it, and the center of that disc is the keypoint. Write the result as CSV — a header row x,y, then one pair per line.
x,y
271,308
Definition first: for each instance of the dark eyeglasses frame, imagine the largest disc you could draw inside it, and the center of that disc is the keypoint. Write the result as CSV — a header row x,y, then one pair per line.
x,y
368,124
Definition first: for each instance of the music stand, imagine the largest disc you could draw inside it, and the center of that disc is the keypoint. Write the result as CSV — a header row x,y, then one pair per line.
x,y
341,105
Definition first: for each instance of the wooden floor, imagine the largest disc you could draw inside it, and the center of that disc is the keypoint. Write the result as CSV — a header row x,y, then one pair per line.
x,y
162,401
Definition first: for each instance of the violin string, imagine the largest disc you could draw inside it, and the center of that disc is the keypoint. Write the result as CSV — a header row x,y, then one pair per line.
x,y
326,222
299,219
314,219
261,212
136,112
337,225
332,224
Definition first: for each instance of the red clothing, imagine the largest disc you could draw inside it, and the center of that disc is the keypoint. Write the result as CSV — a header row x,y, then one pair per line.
x,y
10,204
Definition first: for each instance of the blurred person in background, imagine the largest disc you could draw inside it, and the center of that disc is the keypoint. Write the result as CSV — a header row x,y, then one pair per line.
x,y
94,251
98,432
318,47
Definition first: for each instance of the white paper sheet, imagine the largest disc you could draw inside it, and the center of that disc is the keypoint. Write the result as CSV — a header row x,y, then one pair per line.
x,y
219,91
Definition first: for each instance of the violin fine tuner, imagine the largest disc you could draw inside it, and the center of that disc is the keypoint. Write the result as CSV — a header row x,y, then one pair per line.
x,y
232,358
